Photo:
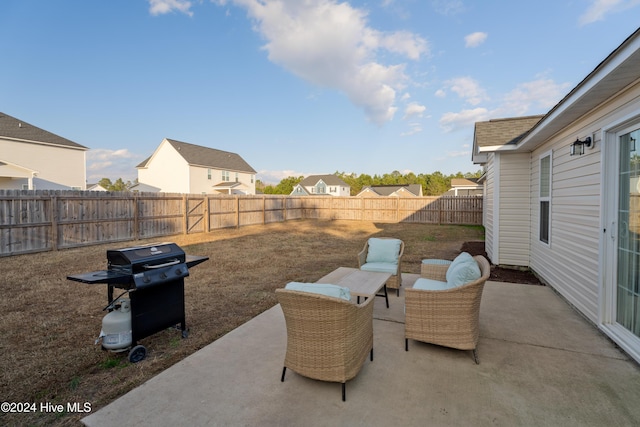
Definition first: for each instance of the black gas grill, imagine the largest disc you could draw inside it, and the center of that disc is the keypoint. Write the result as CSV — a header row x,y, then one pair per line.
x,y
153,275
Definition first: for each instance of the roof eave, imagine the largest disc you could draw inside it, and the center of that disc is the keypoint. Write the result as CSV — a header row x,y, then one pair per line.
x,y
614,73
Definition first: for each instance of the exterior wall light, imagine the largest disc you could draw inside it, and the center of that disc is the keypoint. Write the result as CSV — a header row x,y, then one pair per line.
x,y
577,148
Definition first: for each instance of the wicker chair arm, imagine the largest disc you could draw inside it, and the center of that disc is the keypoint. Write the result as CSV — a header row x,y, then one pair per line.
x,y
362,257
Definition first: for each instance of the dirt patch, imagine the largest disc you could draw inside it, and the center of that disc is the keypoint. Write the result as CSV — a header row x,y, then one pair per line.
x,y
501,274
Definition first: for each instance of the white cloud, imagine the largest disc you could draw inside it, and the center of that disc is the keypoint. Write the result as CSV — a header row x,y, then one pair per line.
x,y
599,8
448,7
161,7
450,122
441,93
475,39
459,153
466,88
541,94
534,97
274,177
112,164
413,129
414,109
331,45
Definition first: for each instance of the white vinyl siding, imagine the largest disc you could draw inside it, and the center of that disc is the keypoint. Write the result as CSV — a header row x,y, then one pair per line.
x,y
57,167
488,216
514,233
166,170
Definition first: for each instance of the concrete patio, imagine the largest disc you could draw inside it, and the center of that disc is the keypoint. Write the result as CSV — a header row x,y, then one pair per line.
x,y
541,364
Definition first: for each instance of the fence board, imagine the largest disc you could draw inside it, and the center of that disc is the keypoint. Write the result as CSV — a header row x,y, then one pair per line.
x,y
33,221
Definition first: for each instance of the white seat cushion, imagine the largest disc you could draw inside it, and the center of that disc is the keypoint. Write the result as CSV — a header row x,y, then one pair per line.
x,y
431,285
321,288
380,267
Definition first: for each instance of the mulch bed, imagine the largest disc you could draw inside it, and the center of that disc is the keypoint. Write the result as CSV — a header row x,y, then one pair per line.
x,y
501,274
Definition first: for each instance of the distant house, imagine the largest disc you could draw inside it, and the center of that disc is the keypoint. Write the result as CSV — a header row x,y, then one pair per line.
x,y
95,187
408,190
465,187
562,198
143,188
35,159
180,167
328,185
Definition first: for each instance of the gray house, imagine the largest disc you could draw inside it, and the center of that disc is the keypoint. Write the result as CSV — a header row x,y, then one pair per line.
x,y
562,194
321,185
408,190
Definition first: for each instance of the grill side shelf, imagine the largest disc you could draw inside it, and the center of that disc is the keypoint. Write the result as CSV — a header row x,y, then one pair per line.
x,y
102,276
193,260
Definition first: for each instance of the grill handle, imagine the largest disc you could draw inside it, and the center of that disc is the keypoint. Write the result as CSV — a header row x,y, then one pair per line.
x,y
166,264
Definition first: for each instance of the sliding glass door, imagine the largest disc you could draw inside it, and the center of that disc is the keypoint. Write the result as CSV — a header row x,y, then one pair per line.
x,y
627,300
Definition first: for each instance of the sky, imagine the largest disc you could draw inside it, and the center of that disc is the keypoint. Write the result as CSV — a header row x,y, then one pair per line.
x,y
296,87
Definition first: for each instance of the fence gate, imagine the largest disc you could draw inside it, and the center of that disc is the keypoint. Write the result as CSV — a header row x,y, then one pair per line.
x,y
195,208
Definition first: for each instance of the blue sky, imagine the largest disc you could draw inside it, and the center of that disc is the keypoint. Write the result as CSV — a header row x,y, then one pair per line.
x,y
296,87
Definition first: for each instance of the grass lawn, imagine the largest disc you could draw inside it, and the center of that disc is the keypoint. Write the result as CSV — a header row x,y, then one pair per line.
x,y
49,324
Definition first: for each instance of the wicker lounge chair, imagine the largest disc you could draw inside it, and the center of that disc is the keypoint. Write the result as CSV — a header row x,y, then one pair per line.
x,y
395,268
450,317
328,338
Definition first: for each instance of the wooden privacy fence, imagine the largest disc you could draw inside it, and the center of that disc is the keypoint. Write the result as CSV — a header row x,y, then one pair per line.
x,y
33,221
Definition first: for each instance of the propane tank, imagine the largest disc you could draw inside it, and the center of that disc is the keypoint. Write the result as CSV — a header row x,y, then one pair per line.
x,y
116,327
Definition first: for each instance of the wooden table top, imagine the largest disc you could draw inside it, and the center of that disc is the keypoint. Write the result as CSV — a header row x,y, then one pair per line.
x,y
360,283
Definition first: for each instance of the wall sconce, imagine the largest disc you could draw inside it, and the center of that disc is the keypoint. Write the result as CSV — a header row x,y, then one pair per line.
x,y
577,148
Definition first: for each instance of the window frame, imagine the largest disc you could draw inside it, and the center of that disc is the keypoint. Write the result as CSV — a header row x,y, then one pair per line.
x,y
545,199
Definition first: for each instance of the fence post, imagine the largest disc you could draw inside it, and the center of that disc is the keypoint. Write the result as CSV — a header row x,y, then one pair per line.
x,y
54,223
185,204
136,218
205,210
237,211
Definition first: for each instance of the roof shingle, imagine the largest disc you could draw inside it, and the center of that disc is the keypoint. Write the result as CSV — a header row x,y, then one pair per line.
x,y
13,128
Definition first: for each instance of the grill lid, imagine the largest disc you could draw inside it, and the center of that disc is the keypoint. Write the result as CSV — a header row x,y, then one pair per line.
x,y
141,257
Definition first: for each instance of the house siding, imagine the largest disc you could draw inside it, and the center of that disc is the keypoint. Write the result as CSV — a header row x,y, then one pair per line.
x,y
57,167
514,233
571,263
167,170
488,217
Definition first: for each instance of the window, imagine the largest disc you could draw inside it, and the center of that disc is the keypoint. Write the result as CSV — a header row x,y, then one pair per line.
x,y
545,197
209,173
252,178
225,175
236,176
322,188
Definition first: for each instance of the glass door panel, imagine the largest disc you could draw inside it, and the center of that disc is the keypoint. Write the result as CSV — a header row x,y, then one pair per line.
x,y
628,271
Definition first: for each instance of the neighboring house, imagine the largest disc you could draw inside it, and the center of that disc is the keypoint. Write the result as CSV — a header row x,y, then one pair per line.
x,y
179,167
408,190
34,159
314,185
574,218
143,188
95,187
465,187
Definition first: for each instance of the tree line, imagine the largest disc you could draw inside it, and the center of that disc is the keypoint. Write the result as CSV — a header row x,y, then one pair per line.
x,y
433,184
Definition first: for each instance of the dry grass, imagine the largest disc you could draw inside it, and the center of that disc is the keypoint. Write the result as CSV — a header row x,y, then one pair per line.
x,y
49,324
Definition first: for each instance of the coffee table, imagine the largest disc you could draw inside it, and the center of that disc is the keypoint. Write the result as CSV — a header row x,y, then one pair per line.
x,y
360,283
